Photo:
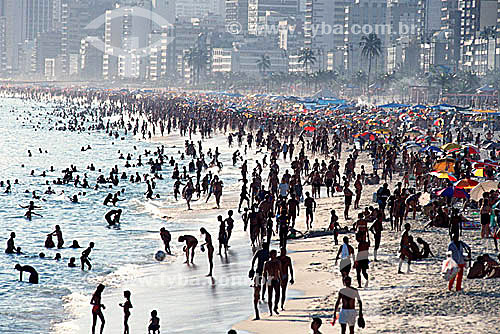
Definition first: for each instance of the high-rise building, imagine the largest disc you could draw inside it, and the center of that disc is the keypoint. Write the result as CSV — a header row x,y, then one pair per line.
x,y
259,9
237,15
13,12
428,17
479,19
451,19
38,18
75,16
197,8
165,8
325,31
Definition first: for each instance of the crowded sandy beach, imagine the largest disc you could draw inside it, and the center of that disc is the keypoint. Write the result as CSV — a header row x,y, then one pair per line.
x,y
214,212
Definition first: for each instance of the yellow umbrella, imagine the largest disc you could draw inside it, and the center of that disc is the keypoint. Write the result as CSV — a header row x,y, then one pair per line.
x,y
445,165
479,172
450,146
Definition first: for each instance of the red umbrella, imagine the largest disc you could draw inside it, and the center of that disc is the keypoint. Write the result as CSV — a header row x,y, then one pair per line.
x,y
310,128
466,184
368,136
453,192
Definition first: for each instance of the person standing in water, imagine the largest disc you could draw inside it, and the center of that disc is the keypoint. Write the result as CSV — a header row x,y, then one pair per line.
x,y
84,259
11,247
126,311
29,269
97,308
210,249
58,234
166,238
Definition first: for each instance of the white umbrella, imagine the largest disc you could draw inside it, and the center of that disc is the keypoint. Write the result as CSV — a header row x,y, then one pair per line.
x,y
477,192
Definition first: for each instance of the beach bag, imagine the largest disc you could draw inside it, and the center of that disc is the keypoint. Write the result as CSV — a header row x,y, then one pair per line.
x,y
449,269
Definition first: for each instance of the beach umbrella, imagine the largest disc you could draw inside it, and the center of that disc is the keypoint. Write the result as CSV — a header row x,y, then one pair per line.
x,y
445,165
477,192
466,184
431,149
452,192
444,175
310,128
492,146
469,149
450,146
479,172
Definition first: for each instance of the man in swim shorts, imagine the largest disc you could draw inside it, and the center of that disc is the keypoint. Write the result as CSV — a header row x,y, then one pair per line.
x,y
347,316
272,274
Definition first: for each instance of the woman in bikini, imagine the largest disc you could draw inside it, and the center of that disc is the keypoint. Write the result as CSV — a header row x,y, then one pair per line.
x,y
97,308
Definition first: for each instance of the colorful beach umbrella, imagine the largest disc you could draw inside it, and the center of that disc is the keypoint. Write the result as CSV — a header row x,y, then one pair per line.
x,y
453,192
466,184
444,175
445,165
450,146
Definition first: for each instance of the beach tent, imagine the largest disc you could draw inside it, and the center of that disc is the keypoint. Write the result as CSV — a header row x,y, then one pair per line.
x,y
394,105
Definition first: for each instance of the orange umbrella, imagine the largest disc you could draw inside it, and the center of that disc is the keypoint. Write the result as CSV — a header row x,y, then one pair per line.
x,y
466,184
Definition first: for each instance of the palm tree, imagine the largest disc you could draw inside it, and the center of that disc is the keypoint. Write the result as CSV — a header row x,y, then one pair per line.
x,y
442,78
371,48
307,58
263,64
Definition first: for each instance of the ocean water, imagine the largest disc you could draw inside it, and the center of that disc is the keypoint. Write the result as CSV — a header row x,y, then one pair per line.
x,y
119,256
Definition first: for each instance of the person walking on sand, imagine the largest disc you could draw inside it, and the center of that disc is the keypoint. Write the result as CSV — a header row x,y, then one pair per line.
x,y
362,261
457,247
359,187
191,243
126,311
210,249
405,251
272,274
261,256
97,308
286,266
377,229
347,200
345,253
310,205
347,316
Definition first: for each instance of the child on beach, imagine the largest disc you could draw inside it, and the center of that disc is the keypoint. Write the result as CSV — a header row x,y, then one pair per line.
x,y
154,323
126,311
